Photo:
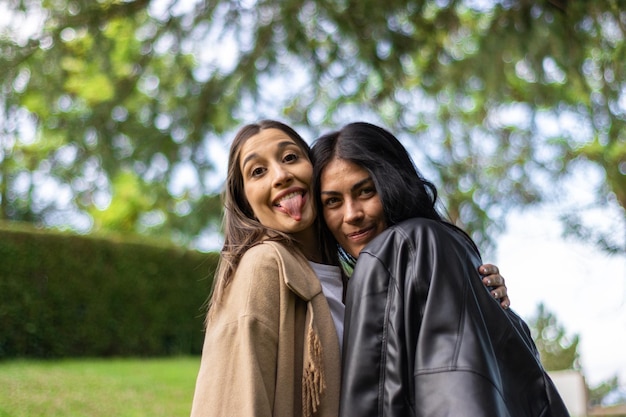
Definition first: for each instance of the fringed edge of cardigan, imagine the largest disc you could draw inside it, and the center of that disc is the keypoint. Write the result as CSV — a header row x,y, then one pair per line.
x,y
313,377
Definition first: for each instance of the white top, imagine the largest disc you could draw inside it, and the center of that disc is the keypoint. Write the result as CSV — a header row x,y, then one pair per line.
x,y
332,286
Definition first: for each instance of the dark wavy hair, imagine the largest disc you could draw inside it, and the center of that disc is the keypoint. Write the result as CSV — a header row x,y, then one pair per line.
x,y
403,191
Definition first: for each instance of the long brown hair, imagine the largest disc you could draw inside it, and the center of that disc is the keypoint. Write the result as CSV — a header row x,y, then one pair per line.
x,y
241,229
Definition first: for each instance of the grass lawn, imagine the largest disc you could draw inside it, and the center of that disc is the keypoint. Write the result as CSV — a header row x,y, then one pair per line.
x,y
98,387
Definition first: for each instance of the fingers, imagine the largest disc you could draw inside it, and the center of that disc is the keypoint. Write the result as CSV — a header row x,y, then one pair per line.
x,y
499,292
501,295
505,302
492,278
491,275
495,280
488,269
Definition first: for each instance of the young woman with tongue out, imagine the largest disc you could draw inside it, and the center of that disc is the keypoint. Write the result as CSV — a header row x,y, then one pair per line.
x,y
275,320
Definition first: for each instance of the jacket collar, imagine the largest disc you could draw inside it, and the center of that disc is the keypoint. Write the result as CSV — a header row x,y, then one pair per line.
x,y
297,272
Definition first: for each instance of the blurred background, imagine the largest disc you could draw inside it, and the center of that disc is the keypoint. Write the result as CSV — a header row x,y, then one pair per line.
x,y
116,117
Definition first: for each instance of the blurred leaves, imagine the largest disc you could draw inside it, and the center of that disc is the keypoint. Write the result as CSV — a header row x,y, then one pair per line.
x,y
497,101
130,199
558,351
607,393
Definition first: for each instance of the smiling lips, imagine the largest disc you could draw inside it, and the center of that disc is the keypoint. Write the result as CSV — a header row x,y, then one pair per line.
x,y
360,234
292,204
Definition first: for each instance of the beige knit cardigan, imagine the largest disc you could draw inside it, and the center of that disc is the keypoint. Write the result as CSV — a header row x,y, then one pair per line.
x,y
271,349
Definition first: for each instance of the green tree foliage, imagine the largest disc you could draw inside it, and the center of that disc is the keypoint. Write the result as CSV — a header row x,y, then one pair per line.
x,y
497,99
558,351
117,112
598,394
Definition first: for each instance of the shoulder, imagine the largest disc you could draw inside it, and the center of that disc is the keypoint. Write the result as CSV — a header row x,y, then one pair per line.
x,y
417,231
256,287
421,225
270,262
266,258
406,232
270,254
265,249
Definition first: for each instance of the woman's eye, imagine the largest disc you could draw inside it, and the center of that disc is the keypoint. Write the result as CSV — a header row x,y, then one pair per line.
x,y
290,157
366,192
257,171
331,202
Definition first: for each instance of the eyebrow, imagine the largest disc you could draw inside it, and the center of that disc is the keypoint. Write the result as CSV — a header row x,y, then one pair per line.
x,y
354,187
281,145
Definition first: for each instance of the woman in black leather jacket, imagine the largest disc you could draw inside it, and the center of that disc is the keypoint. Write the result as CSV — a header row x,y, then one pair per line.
x,y
422,335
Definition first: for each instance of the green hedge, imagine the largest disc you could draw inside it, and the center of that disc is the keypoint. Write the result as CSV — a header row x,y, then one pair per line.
x,y
66,295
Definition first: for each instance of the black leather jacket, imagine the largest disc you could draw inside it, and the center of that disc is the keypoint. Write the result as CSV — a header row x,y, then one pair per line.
x,y
424,337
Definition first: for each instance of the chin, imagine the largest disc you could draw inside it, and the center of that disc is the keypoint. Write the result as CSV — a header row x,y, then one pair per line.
x,y
354,252
302,224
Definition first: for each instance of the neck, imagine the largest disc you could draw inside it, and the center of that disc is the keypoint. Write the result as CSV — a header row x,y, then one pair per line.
x,y
309,244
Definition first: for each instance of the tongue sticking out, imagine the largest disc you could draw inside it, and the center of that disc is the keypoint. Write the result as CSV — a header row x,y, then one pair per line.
x,y
293,206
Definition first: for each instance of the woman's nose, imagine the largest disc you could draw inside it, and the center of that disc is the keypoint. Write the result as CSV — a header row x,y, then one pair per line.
x,y
281,175
353,212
